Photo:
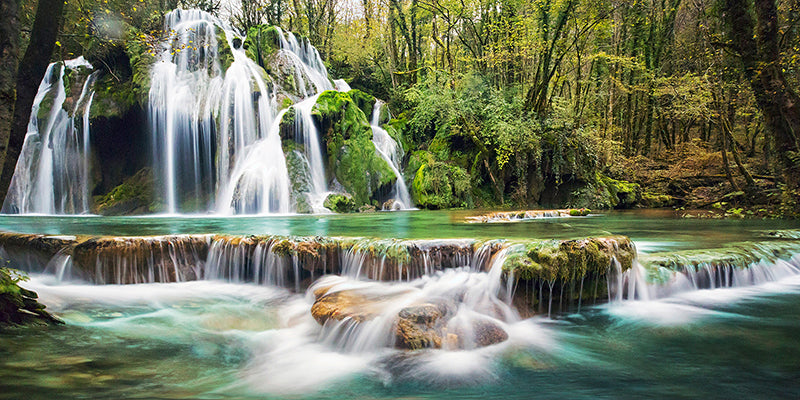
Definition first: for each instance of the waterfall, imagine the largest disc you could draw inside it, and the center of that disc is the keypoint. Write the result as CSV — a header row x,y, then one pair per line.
x,y
215,129
308,63
203,117
307,134
52,172
660,276
392,152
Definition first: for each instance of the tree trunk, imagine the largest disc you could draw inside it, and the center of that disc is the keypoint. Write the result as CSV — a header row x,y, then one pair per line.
x,y
29,74
760,56
9,57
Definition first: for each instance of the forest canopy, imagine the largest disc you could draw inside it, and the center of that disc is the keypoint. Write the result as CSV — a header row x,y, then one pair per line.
x,y
538,102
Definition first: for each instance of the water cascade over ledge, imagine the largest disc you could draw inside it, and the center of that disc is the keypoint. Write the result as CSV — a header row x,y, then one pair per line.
x,y
540,276
52,173
392,152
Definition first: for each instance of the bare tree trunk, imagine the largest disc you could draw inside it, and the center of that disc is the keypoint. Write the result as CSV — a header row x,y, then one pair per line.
x,y
29,74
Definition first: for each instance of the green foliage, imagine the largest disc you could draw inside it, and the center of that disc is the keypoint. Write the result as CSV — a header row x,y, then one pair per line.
x,y
352,157
340,203
18,306
439,185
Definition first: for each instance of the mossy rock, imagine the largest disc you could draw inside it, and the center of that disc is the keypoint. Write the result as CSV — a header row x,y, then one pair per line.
x,y
224,51
19,306
126,82
606,193
351,156
655,200
438,185
136,195
340,203
624,194
262,41
299,176
364,101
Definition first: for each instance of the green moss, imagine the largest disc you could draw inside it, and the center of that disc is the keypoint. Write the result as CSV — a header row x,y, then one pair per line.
x,y
624,194
352,158
605,193
18,306
364,101
654,200
261,42
286,103
134,196
581,212
568,260
224,50
340,203
439,185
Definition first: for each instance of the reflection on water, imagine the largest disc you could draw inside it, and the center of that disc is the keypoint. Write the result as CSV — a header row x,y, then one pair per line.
x,y
658,230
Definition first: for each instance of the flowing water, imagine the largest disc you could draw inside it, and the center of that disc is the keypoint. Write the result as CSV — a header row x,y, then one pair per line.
x,y
716,332
392,152
52,173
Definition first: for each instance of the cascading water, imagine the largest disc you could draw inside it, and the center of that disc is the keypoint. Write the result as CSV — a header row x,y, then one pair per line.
x,y
216,131
392,152
308,62
203,118
52,173
657,277
307,134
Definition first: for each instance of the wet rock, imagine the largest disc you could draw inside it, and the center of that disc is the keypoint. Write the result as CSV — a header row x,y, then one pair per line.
x,y
416,327
32,253
388,205
342,305
419,327
340,203
19,306
125,260
487,333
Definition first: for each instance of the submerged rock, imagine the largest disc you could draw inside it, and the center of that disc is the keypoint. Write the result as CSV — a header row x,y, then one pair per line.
x,y
418,326
509,216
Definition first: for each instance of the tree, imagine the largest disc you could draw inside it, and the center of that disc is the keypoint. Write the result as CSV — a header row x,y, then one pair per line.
x,y
9,57
757,43
29,73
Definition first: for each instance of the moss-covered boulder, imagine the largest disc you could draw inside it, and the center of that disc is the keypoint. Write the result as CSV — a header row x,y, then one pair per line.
x,y
351,156
136,195
299,177
605,193
565,271
262,42
438,185
224,51
19,306
364,101
340,203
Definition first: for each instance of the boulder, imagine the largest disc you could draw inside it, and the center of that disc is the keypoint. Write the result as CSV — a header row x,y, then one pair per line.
x,y
19,306
419,326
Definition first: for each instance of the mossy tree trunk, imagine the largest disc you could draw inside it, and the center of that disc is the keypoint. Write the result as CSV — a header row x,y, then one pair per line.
x,y
9,57
31,69
757,43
